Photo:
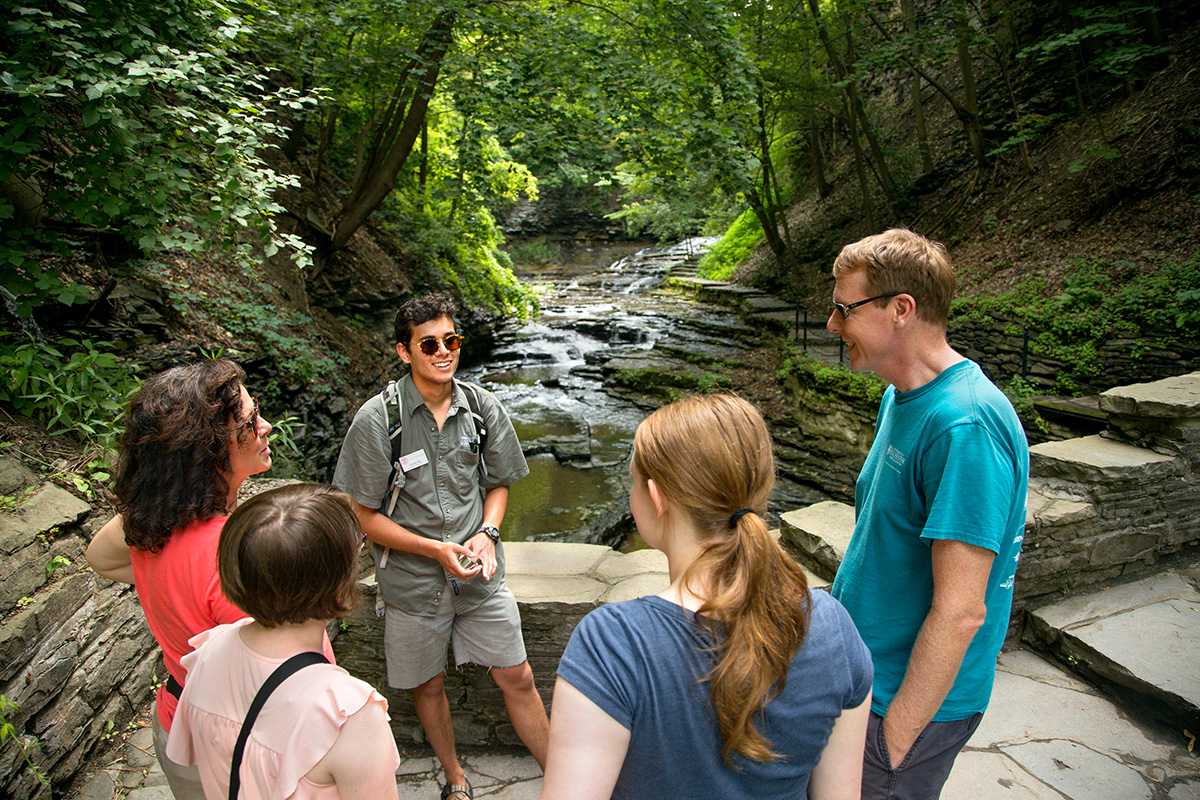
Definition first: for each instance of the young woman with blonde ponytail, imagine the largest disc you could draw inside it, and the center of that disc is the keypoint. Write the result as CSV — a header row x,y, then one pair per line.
x,y
735,681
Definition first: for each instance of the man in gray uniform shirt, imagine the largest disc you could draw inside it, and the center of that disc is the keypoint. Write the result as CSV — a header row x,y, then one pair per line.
x,y
434,523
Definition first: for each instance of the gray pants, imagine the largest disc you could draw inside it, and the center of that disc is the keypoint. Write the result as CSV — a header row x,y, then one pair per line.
x,y
184,781
924,770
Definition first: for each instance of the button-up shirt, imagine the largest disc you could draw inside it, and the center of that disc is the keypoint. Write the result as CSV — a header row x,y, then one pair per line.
x,y
441,493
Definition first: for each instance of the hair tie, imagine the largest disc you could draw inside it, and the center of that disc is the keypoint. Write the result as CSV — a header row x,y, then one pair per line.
x,y
735,516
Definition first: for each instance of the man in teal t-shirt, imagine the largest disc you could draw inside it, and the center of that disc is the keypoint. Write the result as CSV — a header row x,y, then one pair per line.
x,y
940,515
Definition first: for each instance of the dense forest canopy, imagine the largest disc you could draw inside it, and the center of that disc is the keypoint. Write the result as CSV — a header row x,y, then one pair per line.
x,y
160,132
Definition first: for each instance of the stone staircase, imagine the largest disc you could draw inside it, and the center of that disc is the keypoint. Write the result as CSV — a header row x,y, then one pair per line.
x,y
1104,512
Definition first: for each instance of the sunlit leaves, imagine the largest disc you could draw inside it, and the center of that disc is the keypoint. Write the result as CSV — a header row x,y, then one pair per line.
x,y
135,116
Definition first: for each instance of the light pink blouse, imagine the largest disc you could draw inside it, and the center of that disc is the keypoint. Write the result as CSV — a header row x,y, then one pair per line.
x,y
295,729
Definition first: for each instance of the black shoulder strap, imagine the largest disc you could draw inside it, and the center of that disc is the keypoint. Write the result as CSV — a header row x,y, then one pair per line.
x,y
393,416
281,674
472,392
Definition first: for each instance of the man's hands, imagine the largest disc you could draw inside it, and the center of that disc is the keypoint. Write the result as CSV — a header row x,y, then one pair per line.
x,y
448,554
483,549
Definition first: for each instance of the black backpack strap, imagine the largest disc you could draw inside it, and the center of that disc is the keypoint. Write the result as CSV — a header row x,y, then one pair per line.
x,y
281,674
472,393
393,415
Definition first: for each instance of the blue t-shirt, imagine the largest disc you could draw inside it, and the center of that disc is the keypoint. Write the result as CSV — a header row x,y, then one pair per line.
x,y
949,461
642,662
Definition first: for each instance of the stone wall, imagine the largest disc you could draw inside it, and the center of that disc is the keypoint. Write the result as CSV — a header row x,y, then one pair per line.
x,y
1113,504
76,656
555,585
998,346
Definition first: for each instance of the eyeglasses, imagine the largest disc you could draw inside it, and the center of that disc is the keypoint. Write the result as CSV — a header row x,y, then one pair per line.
x,y
845,309
252,423
429,344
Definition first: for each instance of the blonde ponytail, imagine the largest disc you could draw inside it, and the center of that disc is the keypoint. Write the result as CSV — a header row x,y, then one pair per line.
x,y
711,456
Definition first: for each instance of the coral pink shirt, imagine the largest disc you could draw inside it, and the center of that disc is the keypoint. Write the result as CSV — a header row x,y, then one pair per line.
x,y
295,729
181,596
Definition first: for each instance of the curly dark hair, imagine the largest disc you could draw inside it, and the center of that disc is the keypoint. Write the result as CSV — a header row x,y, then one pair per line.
x,y
418,311
173,466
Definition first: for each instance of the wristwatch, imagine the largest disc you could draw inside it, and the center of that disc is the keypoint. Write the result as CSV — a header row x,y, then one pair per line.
x,y
492,533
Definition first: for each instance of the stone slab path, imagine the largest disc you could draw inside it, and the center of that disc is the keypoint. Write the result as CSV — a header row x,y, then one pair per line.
x,y
1046,736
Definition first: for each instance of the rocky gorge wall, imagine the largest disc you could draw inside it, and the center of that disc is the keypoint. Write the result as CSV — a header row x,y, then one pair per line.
x,y
76,657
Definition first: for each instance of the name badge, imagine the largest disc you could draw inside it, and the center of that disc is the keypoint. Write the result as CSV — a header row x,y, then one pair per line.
x,y
413,460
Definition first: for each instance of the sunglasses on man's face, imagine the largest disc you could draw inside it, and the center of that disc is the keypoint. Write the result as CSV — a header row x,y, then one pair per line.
x,y
429,344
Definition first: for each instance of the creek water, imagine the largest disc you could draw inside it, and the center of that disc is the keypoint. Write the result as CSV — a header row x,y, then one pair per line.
x,y
602,312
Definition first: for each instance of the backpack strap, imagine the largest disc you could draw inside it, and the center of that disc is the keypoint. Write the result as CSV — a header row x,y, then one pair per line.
x,y
472,393
281,674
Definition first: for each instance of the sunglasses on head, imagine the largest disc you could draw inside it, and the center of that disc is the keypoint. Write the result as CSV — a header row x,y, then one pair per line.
x,y
429,344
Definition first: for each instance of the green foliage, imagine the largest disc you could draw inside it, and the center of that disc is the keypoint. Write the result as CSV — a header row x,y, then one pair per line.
x,y
25,743
1020,393
1094,152
282,332
733,249
1108,30
538,252
32,285
837,380
1100,301
1025,130
55,564
11,502
75,385
139,117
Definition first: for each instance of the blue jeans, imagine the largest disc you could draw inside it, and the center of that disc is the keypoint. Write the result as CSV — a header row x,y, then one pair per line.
x,y
924,770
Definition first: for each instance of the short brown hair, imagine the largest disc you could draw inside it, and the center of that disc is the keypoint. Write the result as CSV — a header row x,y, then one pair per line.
x,y
418,311
902,262
291,555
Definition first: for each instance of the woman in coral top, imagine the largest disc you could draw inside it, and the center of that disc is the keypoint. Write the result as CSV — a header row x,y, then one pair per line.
x,y
289,557
192,436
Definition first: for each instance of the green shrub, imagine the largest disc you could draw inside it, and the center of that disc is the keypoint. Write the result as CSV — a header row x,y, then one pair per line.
x,y
734,248
75,385
1100,301
836,380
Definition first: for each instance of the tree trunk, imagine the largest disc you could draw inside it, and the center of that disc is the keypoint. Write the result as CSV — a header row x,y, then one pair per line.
x,y
855,110
914,85
395,135
962,35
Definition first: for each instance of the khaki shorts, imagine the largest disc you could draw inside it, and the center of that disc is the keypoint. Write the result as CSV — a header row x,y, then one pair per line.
x,y
489,635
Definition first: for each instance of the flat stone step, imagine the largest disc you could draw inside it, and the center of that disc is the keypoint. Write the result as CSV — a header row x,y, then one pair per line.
x,y
1098,460
819,535
1140,640
1170,398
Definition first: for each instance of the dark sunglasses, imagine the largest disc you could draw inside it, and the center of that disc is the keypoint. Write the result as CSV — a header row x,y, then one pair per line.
x,y
845,309
429,344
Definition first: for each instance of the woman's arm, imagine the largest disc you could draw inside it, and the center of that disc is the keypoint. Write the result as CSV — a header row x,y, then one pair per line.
x,y
838,776
363,760
587,748
108,554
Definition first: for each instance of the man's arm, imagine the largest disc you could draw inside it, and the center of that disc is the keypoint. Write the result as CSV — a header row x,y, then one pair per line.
x,y
481,546
383,531
960,575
